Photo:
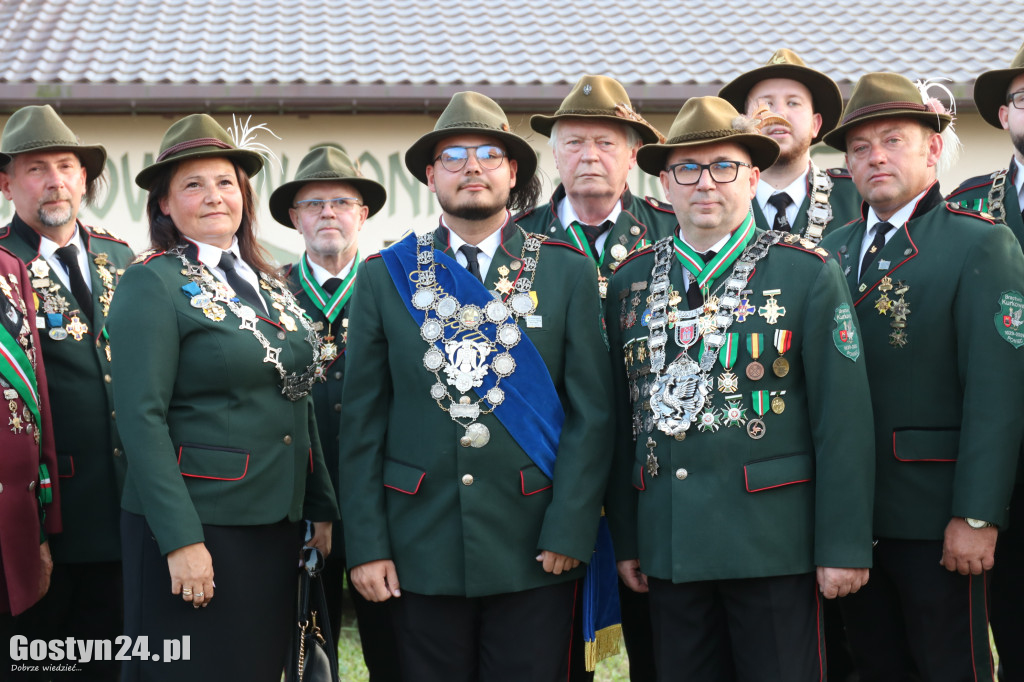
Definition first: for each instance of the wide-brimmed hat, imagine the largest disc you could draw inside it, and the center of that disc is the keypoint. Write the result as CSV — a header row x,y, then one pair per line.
x,y
991,86
40,129
474,114
828,100
326,164
884,95
597,98
707,120
197,136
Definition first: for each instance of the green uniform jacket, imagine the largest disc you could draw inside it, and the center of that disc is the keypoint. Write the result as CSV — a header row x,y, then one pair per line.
x,y
641,222
947,422
327,393
89,460
470,521
208,435
844,200
973,194
724,505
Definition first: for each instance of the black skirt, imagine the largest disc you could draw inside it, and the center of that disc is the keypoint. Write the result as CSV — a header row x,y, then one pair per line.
x,y
242,635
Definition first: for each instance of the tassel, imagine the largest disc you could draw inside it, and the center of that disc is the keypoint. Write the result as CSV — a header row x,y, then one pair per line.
x,y
605,644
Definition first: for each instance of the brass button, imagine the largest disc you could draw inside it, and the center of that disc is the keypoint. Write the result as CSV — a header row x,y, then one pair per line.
x,y
1,487
32,485
337,375
113,414
467,479
106,378
337,407
635,230
117,452
681,474
287,440
281,336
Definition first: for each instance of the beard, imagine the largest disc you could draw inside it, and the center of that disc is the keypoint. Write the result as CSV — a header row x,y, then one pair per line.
x,y
474,209
796,153
1018,142
55,216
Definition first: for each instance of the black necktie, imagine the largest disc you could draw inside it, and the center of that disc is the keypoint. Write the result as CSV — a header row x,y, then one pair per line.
x,y
781,201
694,296
881,229
331,285
592,232
472,264
68,255
242,288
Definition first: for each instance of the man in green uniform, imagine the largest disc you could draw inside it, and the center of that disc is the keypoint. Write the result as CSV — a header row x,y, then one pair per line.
x,y
739,494
74,269
595,135
477,373
999,95
938,292
327,203
799,105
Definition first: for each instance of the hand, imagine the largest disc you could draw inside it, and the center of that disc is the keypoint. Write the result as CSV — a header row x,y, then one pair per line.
x,y
321,537
45,568
629,571
191,569
839,582
968,550
376,580
556,563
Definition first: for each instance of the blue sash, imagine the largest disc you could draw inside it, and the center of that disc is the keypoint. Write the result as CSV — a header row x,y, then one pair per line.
x,y
532,414
531,411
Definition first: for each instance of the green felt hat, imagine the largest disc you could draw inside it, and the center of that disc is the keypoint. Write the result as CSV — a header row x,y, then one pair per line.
x,y
707,120
598,97
197,136
40,129
325,164
471,113
990,90
884,95
828,100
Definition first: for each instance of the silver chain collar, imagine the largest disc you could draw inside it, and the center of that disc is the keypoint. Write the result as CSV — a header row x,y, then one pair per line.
x,y
996,195
819,213
294,386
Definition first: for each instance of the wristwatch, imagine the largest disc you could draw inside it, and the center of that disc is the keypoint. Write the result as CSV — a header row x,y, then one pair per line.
x,y
977,524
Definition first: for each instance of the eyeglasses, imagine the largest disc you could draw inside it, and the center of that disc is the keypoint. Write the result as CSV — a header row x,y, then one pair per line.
x,y
454,159
338,205
1016,99
688,173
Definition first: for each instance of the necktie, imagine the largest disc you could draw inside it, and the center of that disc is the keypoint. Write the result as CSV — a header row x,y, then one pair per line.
x,y
781,201
592,232
68,256
331,285
472,264
242,288
694,297
881,229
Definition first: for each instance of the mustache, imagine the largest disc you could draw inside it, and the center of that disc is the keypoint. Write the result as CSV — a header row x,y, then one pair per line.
x,y
55,195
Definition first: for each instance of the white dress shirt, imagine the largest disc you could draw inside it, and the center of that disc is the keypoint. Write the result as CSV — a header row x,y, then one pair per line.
x,y
797,191
897,220
567,216
487,248
209,256
48,250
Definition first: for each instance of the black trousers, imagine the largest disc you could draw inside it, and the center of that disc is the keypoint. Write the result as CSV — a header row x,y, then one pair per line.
x,y
1007,592
744,630
83,602
916,620
243,634
376,632
636,631
511,637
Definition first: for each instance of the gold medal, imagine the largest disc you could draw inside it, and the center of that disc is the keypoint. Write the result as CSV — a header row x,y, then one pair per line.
x,y
602,286
214,311
778,405
780,367
288,322
328,351
619,252
76,328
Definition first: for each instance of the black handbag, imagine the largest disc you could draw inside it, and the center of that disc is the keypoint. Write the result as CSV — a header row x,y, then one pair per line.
x,y
312,656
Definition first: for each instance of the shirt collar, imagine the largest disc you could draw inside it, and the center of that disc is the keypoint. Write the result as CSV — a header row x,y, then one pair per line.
x,y
321,274
567,214
716,247
48,247
898,218
209,255
797,191
489,245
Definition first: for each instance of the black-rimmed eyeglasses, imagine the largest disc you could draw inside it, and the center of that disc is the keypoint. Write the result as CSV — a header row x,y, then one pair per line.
x,y
454,159
688,173
338,205
1016,99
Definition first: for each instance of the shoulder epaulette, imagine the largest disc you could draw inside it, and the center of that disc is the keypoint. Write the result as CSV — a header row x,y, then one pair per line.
x,y
102,234
971,183
642,252
659,205
286,270
799,243
522,214
838,173
147,256
959,209
554,242
373,255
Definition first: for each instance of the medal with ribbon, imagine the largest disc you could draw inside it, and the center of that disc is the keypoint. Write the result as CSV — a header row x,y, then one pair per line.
x,y
578,239
783,340
330,305
706,273
755,427
727,381
16,369
755,346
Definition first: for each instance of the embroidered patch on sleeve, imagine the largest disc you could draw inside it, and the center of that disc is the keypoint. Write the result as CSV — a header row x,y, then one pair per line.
x,y
1010,318
845,333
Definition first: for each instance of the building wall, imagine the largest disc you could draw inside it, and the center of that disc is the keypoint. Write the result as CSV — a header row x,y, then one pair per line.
x,y
379,142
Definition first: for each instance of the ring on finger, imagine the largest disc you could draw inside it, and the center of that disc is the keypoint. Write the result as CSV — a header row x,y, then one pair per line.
x,y
200,595
187,591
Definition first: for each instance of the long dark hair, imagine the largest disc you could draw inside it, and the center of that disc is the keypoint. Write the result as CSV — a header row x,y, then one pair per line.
x,y
524,195
164,234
